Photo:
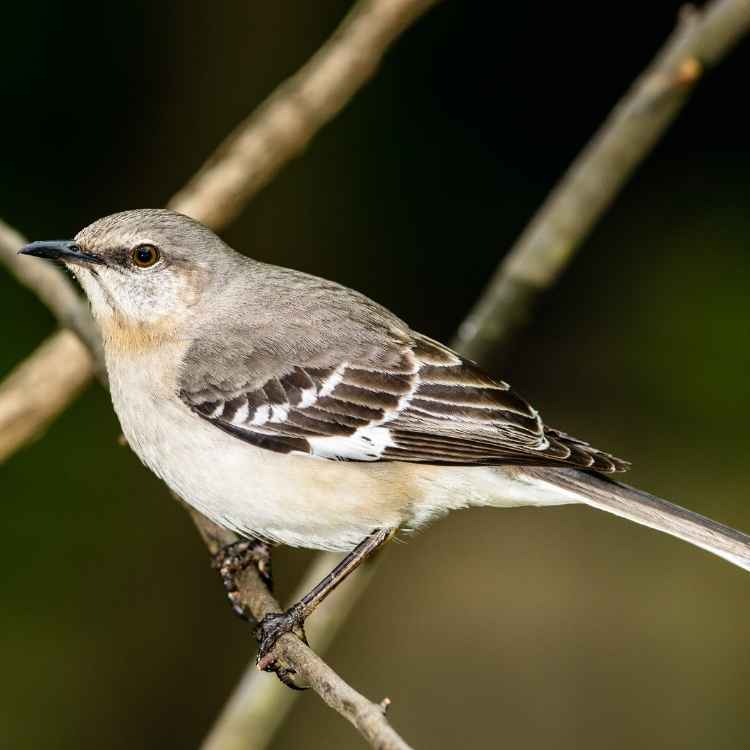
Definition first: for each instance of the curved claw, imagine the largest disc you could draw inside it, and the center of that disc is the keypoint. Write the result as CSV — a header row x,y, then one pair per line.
x,y
271,628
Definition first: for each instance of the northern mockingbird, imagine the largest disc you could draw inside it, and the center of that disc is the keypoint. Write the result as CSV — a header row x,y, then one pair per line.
x,y
293,410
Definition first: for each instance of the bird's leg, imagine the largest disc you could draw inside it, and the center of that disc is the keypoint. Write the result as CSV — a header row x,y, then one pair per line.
x,y
274,625
234,558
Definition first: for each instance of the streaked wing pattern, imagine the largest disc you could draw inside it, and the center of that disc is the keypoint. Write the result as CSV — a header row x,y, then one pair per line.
x,y
427,404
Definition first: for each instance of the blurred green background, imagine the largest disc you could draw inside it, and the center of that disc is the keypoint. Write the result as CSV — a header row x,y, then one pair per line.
x,y
560,628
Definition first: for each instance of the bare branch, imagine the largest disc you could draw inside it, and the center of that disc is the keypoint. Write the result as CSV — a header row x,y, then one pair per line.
x,y
702,38
306,666
53,288
40,387
286,122
258,706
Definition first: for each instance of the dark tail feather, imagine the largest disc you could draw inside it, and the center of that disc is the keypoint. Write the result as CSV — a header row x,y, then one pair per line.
x,y
648,510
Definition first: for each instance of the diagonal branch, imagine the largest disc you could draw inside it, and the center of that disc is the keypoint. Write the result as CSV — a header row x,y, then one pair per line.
x,y
41,387
55,290
700,41
257,707
306,666
285,123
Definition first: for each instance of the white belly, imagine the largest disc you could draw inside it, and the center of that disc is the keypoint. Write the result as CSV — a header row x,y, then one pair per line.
x,y
294,500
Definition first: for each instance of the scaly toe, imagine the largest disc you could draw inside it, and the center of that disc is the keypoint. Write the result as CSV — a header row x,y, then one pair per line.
x,y
271,628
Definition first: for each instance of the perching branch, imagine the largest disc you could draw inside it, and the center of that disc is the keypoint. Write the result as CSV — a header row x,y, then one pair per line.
x,y
702,38
258,706
308,668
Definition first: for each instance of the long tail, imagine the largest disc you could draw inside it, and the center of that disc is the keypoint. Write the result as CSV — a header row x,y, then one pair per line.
x,y
648,510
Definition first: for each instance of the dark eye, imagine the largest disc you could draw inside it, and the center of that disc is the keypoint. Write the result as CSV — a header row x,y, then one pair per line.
x,y
145,256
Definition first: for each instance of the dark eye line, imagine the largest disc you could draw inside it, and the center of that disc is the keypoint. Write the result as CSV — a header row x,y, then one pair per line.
x,y
119,259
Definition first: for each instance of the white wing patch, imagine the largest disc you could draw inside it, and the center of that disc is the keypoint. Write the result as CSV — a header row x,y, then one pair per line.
x,y
330,383
366,444
261,416
242,414
216,411
423,404
308,398
279,412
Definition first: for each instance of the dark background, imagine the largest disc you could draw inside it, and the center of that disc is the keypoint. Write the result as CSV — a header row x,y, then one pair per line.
x,y
560,628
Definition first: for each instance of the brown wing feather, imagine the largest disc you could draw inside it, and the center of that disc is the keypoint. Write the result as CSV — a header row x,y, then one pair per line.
x,y
419,400
458,414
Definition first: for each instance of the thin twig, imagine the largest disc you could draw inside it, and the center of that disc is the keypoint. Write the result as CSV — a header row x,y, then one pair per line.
x,y
701,39
299,661
40,387
285,123
45,383
35,398
54,289
258,706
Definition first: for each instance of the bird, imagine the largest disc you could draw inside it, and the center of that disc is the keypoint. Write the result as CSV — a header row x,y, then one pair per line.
x,y
295,411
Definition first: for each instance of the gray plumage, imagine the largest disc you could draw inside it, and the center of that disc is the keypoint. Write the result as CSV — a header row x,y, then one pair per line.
x,y
271,333
295,409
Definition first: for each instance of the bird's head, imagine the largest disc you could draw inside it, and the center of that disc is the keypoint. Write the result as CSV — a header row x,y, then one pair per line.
x,y
141,268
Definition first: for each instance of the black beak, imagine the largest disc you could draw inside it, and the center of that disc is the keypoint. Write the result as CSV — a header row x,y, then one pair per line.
x,y
65,250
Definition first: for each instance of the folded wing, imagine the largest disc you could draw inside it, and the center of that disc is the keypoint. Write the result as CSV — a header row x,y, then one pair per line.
x,y
416,401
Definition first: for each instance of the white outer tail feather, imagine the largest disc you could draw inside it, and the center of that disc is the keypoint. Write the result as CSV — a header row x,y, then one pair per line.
x,y
646,510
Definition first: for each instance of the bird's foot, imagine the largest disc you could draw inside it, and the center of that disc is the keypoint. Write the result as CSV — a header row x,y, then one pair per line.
x,y
268,632
233,559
